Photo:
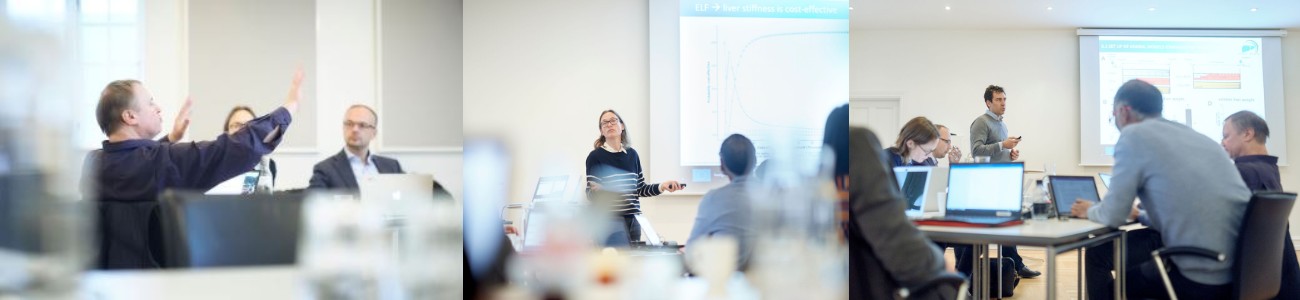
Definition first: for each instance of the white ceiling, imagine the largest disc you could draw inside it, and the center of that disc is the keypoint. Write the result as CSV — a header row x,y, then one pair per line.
x,y
1033,14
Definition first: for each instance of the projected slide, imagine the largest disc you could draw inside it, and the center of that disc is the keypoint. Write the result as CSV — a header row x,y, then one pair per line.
x,y
1202,79
771,70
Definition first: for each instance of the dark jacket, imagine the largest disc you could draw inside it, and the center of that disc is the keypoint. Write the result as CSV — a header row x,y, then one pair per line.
x,y
125,178
885,250
336,173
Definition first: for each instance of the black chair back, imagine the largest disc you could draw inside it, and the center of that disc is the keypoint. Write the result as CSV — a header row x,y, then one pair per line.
x,y
230,230
1257,268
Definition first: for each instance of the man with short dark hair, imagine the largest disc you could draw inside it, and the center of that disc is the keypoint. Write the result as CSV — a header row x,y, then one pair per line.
x,y
1196,204
989,137
126,176
726,210
988,133
1244,137
355,162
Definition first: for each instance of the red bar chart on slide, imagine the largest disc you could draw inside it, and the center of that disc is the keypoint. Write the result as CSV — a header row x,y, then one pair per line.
x,y
1216,77
1202,79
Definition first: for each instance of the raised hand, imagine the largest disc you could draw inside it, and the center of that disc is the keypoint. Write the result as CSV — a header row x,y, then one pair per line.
x,y
182,121
295,92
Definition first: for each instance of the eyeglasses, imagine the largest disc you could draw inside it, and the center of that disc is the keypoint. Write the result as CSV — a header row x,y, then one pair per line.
x,y
946,140
362,125
609,122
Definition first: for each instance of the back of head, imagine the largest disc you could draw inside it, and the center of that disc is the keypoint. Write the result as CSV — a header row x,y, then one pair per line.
x,y
1246,119
836,136
1141,96
738,155
118,96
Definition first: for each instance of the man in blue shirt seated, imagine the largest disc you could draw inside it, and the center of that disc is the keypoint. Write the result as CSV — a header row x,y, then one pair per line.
x,y
1188,204
726,210
127,175
1244,137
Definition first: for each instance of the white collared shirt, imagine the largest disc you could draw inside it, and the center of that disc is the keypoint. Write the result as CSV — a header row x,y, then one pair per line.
x,y
362,170
611,149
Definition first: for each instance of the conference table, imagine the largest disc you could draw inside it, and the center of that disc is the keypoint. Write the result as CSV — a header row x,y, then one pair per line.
x,y
1057,236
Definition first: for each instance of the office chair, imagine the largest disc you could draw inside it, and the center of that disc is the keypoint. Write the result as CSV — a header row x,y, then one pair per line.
x,y
229,230
1254,276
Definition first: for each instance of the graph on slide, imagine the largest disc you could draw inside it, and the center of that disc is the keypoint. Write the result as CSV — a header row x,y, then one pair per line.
x,y
1216,77
1154,76
1202,80
771,78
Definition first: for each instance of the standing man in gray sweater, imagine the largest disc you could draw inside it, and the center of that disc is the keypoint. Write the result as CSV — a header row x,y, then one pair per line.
x,y
1192,194
988,137
988,134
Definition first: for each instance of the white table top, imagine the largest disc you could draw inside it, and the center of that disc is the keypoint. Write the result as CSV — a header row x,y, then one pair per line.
x,y
215,283
1031,233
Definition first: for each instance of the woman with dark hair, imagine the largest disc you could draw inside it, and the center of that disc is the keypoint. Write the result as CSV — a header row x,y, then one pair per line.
x,y
916,141
239,117
614,166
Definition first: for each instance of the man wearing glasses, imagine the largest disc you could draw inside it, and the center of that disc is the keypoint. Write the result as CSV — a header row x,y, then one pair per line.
x,y
342,170
945,148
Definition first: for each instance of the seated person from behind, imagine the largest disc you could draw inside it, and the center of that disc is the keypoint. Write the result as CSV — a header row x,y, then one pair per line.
x,y
354,162
1197,204
726,210
885,250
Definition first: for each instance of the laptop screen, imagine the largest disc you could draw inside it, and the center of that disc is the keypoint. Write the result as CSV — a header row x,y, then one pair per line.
x,y
985,189
1067,189
914,182
1105,179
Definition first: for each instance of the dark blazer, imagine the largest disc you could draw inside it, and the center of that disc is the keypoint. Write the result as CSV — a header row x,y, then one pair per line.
x,y
336,173
885,250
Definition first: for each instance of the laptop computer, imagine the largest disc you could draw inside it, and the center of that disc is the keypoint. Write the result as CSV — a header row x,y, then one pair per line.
x,y
388,187
1105,179
914,182
551,188
1065,190
985,193
938,187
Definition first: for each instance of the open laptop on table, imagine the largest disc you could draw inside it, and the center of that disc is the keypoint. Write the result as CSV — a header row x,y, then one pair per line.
x,y
920,186
984,194
1065,190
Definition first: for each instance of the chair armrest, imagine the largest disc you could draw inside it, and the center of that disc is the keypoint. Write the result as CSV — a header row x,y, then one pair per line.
x,y
956,281
1167,252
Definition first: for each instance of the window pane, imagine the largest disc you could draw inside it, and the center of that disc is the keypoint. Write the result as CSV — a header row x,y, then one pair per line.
x,y
94,11
124,44
123,11
35,10
94,44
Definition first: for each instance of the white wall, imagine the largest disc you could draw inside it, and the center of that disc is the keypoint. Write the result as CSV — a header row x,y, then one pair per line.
x,y
346,67
941,74
537,75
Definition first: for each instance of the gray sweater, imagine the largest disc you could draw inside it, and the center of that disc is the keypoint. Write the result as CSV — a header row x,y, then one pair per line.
x,y
986,135
726,211
1190,190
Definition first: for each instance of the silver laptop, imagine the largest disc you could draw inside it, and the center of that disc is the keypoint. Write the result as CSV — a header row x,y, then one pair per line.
x,y
551,188
937,192
985,193
390,187
914,183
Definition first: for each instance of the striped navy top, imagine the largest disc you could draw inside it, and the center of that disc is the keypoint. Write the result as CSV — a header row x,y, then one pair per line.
x,y
620,172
